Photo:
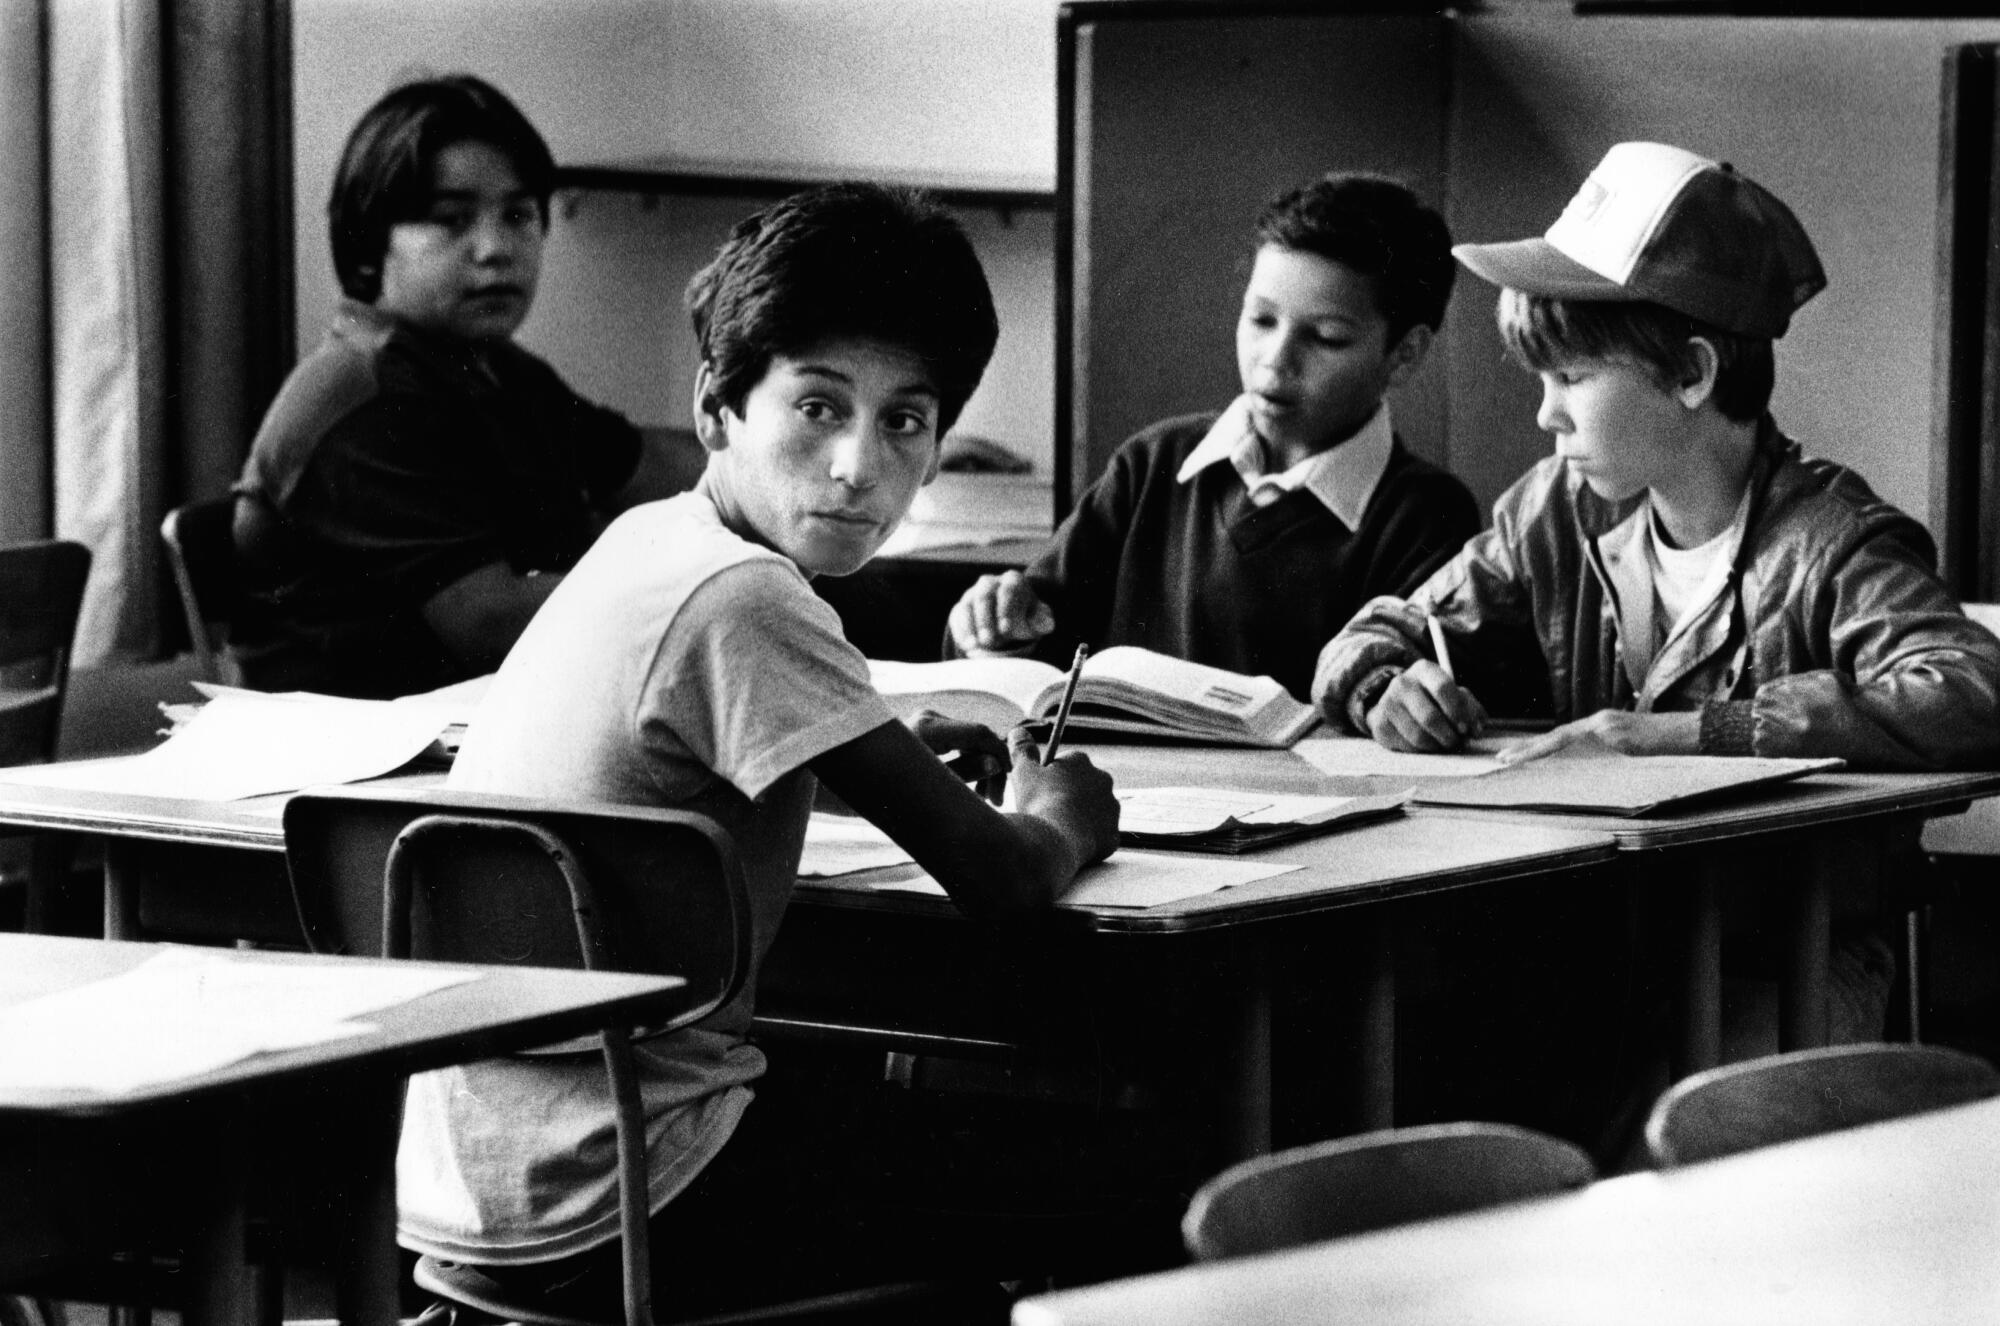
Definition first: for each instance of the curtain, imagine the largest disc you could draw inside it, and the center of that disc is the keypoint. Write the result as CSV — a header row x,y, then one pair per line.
x,y
142,246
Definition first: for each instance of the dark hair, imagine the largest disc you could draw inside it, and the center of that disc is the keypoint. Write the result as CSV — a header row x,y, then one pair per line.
x,y
385,169
846,260
1378,227
1543,332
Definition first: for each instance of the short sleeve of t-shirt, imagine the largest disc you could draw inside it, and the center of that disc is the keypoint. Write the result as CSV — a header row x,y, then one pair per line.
x,y
754,678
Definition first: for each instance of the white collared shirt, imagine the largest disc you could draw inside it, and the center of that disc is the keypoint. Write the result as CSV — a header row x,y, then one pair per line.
x,y
1343,477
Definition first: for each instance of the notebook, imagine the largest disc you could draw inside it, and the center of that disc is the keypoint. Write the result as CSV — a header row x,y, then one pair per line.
x,y
1616,784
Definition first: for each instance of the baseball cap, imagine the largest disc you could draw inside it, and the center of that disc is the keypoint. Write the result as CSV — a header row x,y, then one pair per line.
x,y
1658,223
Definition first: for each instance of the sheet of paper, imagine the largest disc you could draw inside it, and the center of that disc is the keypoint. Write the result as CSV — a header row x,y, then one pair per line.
x,y
1358,756
243,744
1136,879
1618,784
1201,809
843,844
185,1012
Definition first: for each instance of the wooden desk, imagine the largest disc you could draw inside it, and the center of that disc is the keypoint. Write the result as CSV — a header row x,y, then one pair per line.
x,y
316,1125
1894,1222
1833,831
893,967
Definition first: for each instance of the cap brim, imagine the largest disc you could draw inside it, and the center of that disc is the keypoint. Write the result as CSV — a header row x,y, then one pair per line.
x,y
1538,268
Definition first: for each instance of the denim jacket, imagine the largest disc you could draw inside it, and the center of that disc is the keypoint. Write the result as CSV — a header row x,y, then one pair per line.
x,y
1830,635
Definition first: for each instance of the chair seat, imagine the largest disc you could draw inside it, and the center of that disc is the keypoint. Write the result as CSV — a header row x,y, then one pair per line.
x,y
925,1301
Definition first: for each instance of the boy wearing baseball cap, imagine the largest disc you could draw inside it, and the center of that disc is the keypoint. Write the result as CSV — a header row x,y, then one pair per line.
x,y
1693,583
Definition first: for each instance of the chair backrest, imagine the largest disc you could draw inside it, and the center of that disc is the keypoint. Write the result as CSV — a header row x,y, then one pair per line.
x,y
491,881
1354,1184
41,593
201,551
1782,1097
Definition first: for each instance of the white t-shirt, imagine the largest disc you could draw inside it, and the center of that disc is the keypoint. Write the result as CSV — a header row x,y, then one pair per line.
x,y
678,665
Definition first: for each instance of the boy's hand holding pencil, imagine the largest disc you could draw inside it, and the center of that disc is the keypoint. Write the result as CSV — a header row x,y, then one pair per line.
x,y
1069,792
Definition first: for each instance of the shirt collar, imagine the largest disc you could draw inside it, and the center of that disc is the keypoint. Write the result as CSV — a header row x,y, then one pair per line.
x,y
1343,477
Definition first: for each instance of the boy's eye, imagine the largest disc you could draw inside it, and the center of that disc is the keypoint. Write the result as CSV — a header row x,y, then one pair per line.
x,y
450,216
909,423
522,214
817,410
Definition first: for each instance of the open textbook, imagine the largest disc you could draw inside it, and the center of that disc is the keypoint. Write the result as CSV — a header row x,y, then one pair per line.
x,y
1124,689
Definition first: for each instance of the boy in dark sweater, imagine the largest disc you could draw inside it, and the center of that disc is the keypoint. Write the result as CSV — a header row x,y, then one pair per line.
x,y
1245,540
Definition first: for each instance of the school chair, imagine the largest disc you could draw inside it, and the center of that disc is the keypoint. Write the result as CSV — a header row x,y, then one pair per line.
x,y
1802,1093
41,595
470,877
1352,1185
201,552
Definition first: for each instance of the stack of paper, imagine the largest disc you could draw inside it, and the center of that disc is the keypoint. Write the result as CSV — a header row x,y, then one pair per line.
x,y
246,744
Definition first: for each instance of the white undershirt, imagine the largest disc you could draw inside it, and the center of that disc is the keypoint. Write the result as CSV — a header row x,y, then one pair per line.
x,y
1683,578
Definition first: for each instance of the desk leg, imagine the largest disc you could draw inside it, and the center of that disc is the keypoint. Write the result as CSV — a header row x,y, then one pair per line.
x,y
121,888
364,1258
1802,1021
221,1288
1244,1104
1701,974
1376,1069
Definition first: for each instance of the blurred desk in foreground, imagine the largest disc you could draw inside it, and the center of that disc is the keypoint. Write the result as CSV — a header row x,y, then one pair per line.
x,y
1893,1222
301,1134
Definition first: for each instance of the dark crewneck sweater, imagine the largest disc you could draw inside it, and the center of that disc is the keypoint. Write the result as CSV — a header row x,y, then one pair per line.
x,y
1195,570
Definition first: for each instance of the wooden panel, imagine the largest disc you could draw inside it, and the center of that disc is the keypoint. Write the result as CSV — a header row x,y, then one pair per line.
x,y
1181,129
1965,181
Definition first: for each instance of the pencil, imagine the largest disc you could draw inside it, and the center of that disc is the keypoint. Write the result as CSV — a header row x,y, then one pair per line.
x,y
1069,698
1438,646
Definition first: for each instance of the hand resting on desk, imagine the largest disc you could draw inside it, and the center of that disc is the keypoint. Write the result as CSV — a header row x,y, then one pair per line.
x,y
999,615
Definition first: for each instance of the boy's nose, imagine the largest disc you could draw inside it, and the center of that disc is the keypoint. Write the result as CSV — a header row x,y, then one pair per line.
x,y
493,240
856,458
1549,418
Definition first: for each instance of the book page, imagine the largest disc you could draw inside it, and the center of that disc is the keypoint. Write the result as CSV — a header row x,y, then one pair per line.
x,y
996,692
1188,698
1215,690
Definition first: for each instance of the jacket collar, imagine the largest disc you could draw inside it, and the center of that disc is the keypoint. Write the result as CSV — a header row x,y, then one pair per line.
x,y
1617,554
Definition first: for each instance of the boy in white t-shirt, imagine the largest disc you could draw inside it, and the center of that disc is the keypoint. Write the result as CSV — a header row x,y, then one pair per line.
x,y
686,662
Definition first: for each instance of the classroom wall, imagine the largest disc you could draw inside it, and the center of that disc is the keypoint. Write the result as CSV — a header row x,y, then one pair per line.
x,y
956,90
1839,118
1185,128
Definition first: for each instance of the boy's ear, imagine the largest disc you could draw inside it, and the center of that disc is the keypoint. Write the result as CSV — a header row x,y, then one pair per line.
x,y
1406,356
1697,384
708,408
